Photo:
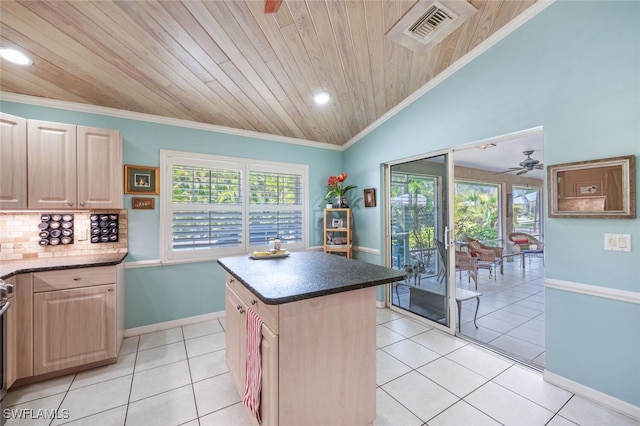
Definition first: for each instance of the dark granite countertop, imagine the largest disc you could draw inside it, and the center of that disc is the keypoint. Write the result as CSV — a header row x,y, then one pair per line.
x,y
9,268
305,275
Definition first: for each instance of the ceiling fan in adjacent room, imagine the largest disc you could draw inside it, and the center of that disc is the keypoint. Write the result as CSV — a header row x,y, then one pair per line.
x,y
527,165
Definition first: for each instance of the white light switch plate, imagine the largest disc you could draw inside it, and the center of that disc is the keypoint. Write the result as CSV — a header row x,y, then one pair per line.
x,y
617,242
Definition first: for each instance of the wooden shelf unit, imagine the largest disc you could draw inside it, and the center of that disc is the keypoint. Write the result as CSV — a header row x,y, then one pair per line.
x,y
338,232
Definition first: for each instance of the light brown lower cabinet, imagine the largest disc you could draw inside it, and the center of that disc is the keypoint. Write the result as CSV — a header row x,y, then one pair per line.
x,y
318,356
73,327
64,321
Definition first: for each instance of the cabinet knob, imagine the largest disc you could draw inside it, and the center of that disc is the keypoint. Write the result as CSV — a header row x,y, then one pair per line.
x,y
77,278
109,289
254,302
232,280
240,309
82,204
70,204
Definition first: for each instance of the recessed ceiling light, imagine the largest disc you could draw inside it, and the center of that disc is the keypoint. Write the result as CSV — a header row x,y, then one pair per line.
x,y
321,98
15,56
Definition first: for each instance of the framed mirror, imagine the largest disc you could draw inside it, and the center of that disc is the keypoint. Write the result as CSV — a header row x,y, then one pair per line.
x,y
598,189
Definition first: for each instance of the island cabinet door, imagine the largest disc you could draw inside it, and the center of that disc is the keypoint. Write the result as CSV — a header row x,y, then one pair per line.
x,y
235,313
269,394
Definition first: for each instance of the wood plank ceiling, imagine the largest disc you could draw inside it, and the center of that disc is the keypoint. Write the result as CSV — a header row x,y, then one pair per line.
x,y
228,63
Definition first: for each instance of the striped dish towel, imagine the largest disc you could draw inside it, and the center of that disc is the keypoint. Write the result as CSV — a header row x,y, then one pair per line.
x,y
253,364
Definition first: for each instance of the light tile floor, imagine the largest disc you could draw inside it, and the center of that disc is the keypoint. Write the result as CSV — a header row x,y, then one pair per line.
x,y
424,376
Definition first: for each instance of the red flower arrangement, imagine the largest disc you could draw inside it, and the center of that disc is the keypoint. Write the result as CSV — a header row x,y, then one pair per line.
x,y
336,188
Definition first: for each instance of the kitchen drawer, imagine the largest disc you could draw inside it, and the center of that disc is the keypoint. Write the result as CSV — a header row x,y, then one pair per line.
x,y
268,313
73,278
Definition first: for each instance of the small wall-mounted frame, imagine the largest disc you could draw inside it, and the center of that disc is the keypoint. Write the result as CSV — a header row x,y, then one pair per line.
x,y
595,189
141,180
370,197
337,223
143,203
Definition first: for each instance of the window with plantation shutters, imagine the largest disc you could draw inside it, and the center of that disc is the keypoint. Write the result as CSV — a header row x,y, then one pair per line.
x,y
218,206
275,207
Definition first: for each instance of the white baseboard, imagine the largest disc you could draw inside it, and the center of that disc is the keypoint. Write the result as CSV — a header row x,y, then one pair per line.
x,y
129,332
380,305
609,401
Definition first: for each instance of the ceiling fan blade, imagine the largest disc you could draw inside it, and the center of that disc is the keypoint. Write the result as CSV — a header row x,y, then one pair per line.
x,y
539,166
521,172
511,169
272,6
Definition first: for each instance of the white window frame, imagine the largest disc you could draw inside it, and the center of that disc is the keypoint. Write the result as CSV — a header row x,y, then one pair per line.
x,y
168,158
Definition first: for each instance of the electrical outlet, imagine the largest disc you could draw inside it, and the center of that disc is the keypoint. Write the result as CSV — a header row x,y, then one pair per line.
x,y
82,234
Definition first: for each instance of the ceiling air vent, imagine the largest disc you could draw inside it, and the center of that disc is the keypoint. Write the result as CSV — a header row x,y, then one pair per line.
x,y
428,22
431,21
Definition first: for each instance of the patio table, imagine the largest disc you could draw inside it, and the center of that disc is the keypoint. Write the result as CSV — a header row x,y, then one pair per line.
x,y
530,252
463,295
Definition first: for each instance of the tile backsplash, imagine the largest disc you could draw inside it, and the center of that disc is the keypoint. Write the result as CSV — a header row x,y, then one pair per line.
x,y
19,235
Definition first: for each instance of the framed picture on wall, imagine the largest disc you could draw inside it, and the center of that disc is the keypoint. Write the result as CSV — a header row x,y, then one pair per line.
x,y
141,180
370,197
145,203
603,188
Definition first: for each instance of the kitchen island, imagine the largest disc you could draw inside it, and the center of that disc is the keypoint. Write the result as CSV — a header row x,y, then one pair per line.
x,y
318,329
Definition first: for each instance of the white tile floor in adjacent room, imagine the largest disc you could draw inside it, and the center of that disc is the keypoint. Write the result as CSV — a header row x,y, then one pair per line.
x,y
424,376
511,316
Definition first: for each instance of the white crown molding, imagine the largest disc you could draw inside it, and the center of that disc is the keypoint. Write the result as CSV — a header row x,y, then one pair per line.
x,y
594,290
596,396
150,118
521,19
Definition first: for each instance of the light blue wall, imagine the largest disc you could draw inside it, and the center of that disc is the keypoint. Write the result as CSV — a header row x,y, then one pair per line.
x,y
575,70
164,293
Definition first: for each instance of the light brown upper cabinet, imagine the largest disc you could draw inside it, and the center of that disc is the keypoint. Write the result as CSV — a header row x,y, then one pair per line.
x,y
73,166
13,162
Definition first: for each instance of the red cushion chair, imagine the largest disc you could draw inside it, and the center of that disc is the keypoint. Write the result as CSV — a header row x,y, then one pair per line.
x,y
488,257
523,241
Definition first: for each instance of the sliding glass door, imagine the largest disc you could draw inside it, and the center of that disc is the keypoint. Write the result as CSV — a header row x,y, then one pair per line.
x,y
418,237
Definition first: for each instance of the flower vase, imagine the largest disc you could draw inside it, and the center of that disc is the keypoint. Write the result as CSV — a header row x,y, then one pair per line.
x,y
343,203
336,202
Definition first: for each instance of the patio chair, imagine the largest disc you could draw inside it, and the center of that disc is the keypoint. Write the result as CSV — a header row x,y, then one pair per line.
x,y
465,262
523,241
528,244
489,257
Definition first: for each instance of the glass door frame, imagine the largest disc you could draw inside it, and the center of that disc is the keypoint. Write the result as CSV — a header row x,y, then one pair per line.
x,y
450,278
